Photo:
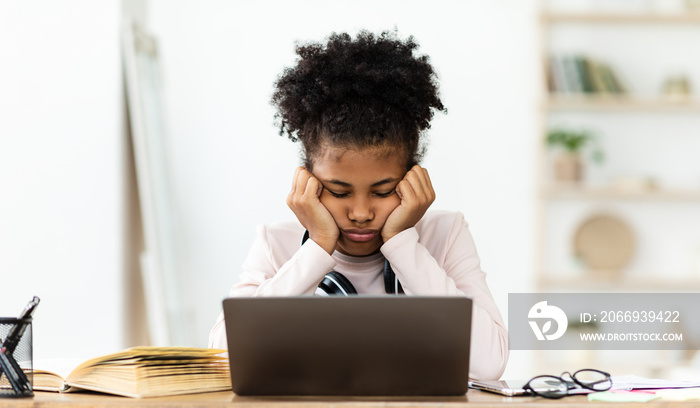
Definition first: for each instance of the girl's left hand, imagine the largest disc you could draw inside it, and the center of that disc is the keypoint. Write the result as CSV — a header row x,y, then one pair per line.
x,y
416,194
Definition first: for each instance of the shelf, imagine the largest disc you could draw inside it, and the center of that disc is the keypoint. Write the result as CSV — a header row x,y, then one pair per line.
x,y
611,193
618,104
551,281
619,18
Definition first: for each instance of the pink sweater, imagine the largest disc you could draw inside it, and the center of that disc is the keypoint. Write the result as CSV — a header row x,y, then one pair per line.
x,y
437,257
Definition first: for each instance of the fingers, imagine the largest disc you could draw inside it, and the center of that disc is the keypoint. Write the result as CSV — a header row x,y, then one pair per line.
x,y
416,193
304,186
416,187
304,201
295,184
428,182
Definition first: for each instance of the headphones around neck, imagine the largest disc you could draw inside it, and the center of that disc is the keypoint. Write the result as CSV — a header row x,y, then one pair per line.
x,y
334,283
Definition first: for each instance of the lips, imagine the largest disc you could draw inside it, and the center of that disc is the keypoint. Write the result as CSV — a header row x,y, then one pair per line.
x,y
361,235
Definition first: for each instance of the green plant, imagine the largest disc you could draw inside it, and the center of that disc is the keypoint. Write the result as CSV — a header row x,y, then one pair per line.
x,y
574,141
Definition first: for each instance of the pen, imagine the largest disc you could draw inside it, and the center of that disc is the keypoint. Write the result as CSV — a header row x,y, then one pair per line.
x,y
18,380
6,367
18,329
22,382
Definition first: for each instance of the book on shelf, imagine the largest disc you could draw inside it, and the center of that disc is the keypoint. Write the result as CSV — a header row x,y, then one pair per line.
x,y
138,372
557,75
580,75
582,67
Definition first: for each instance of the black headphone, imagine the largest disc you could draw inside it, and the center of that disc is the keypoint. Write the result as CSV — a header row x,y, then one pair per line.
x,y
334,283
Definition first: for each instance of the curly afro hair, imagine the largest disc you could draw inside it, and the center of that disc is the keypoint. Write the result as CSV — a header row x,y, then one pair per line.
x,y
358,93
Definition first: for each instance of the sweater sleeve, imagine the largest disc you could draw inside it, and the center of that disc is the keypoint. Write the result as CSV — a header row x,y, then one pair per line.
x,y
457,274
264,274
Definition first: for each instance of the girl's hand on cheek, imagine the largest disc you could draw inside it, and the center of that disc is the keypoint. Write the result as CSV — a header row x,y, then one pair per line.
x,y
304,201
416,194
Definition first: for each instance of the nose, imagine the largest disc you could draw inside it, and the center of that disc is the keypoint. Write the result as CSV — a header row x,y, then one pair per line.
x,y
360,211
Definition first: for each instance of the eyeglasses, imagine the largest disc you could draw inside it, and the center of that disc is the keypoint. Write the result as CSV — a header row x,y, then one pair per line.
x,y
582,381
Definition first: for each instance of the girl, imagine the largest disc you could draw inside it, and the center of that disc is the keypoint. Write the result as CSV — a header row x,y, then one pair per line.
x,y
360,107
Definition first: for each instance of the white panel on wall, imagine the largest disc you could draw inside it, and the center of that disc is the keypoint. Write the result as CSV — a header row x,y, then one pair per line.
x,y
62,206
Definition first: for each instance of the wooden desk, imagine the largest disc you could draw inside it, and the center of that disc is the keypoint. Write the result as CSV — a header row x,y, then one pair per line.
x,y
473,399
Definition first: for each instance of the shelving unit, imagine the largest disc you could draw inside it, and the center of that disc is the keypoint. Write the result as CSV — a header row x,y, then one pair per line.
x,y
643,134
567,204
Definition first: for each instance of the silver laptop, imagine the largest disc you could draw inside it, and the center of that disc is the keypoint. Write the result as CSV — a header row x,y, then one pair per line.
x,y
359,345
514,388
510,388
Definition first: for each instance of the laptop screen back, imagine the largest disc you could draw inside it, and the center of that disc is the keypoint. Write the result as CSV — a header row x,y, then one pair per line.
x,y
360,345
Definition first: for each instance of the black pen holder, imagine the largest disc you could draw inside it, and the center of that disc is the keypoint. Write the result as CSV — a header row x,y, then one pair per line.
x,y
16,379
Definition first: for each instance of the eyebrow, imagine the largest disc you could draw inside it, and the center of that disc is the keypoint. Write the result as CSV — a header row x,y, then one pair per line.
x,y
346,184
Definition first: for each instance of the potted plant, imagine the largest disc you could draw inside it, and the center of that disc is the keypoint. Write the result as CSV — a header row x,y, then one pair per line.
x,y
568,165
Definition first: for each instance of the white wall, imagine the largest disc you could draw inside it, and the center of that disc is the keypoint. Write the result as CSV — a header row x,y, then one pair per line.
x,y
232,171
62,195
65,191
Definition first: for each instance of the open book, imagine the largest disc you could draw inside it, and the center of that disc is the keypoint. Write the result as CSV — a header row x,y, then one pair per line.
x,y
139,372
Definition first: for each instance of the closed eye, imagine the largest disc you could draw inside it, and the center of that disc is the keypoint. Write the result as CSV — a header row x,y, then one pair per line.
x,y
337,195
387,194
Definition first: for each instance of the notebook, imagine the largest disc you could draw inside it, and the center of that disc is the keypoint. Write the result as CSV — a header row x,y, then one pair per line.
x,y
346,346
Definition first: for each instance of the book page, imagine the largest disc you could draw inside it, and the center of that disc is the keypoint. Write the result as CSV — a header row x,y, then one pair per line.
x,y
50,374
154,371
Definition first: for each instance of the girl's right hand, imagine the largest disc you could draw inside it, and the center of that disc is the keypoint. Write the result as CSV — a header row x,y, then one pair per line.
x,y
304,200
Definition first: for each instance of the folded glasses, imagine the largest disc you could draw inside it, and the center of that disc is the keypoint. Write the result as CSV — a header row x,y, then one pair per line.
x,y
582,381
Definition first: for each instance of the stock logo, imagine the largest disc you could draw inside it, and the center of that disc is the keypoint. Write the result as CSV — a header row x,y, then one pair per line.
x,y
545,314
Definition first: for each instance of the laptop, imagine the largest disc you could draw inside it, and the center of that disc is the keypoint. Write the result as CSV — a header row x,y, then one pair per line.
x,y
510,388
513,388
347,346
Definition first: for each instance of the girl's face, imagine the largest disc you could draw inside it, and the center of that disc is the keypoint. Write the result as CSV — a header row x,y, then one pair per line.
x,y
359,192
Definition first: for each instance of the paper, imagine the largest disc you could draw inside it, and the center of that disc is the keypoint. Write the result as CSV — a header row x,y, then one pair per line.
x,y
633,382
622,396
679,394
